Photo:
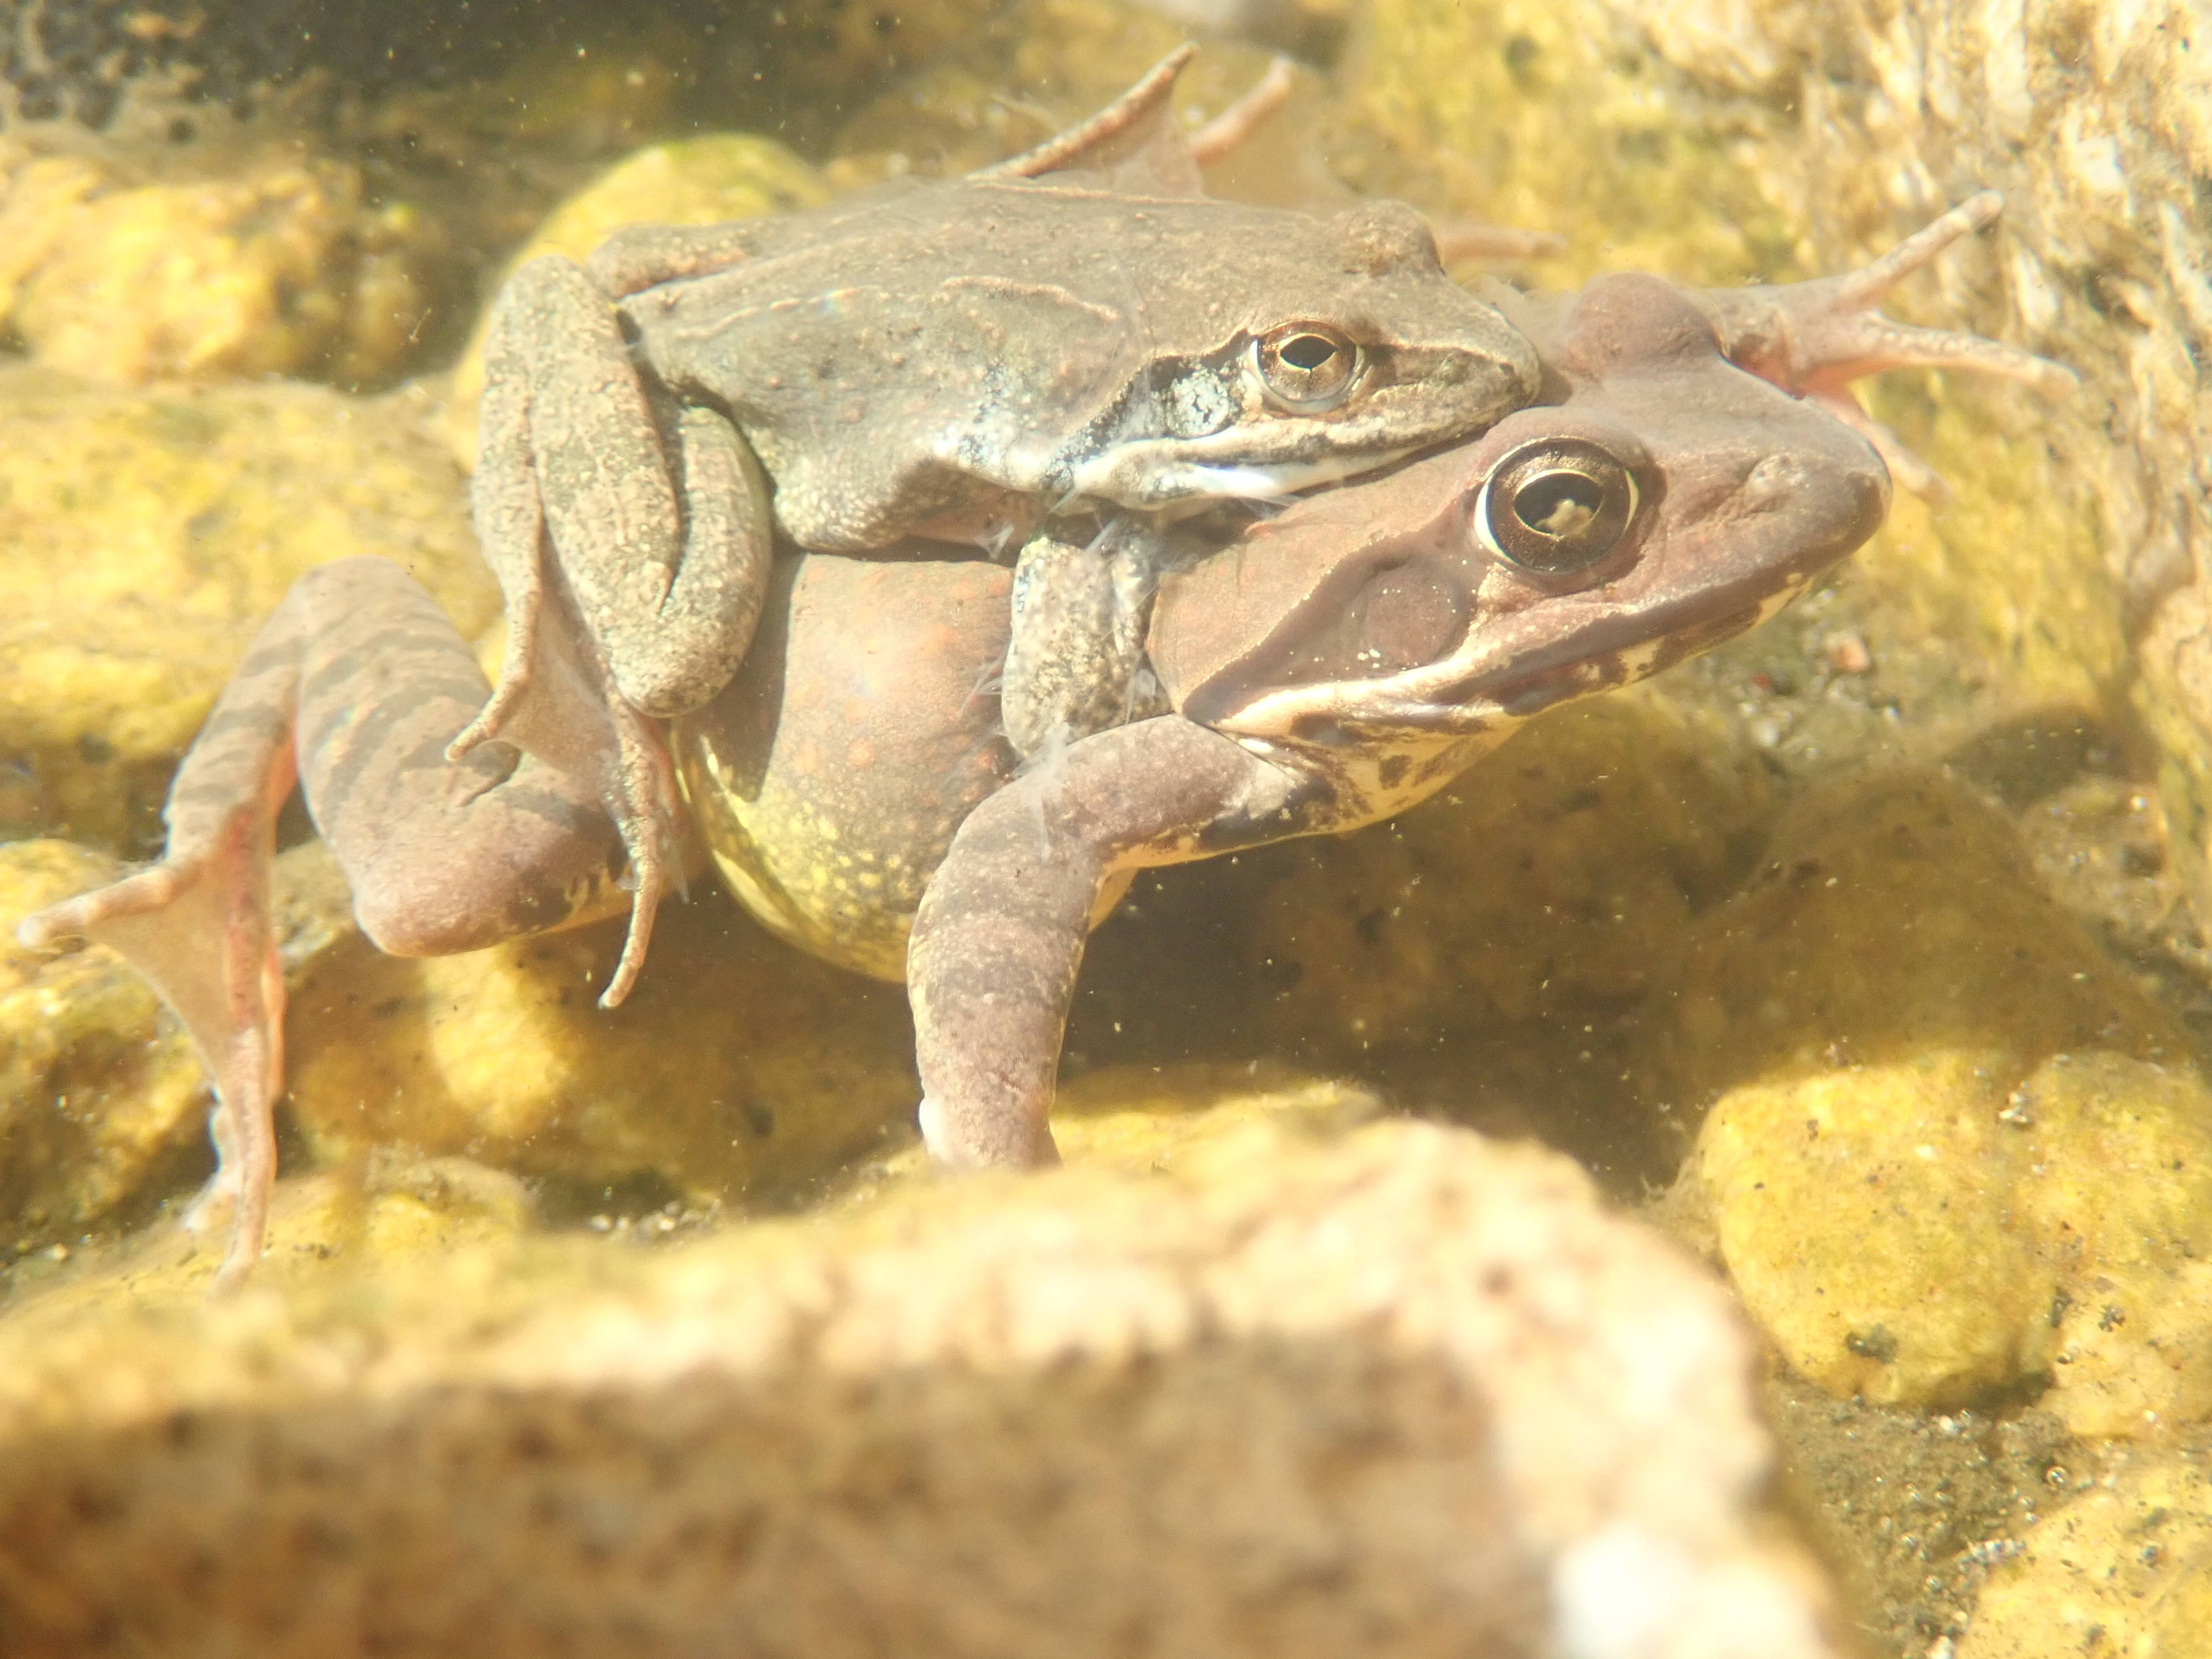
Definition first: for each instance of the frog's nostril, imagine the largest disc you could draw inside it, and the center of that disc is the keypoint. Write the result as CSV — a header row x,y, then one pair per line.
x,y
1771,483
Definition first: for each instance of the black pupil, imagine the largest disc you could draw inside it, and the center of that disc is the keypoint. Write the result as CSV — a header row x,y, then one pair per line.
x,y
1306,351
1557,504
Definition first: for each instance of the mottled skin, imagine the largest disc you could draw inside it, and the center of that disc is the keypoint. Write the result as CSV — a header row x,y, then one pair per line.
x,y
1078,330
1335,664
1352,655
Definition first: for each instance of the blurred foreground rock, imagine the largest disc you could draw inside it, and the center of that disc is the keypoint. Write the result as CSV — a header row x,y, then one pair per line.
x,y
1414,1394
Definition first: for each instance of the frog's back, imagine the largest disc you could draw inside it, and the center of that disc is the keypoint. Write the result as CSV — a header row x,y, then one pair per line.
x,y
929,360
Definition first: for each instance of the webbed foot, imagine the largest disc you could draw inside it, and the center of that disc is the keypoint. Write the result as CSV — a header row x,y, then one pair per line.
x,y
1813,339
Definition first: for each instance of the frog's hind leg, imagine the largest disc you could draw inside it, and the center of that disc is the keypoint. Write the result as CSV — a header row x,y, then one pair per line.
x,y
355,686
1813,338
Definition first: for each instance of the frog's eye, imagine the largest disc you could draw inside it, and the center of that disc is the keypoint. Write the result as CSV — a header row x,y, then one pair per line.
x,y
1556,507
1306,367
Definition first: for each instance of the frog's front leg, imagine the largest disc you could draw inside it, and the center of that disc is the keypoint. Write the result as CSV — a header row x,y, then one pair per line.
x,y
998,940
355,685
1075,656
652,517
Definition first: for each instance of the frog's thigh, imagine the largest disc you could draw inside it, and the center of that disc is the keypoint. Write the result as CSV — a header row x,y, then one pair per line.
x,y
441,857
666,568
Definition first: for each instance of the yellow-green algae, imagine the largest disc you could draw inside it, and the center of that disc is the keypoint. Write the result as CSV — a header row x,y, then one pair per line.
x,y
148,533
285,268
99,1093
2122,1571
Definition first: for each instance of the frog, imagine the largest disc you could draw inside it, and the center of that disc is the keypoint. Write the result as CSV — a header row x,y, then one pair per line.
x,y
1695,463
854,783
1076,329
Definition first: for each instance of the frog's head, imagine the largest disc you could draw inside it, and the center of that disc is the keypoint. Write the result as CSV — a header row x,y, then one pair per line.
x,y
1328,347
1670,502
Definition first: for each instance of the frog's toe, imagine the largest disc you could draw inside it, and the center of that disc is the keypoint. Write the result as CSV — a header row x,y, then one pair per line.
x,y
1906,470
215,1206
959,1143
1845,346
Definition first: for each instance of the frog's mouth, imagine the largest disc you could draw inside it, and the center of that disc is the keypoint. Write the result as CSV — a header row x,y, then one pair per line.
x,y
1464,648
1162,473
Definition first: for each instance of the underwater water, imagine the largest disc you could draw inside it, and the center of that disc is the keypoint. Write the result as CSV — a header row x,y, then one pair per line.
x,y
1730,1171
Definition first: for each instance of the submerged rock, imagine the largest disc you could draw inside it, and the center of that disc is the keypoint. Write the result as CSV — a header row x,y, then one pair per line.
x,y
739,1068
1953,1147
1414,1394
2126,1568
285,269
102,1097
144,537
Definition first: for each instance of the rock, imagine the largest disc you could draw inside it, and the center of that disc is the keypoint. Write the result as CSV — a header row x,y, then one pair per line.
x,y
102,1097
1029,71
696,181
2118,1197
1944,1159
283,267
1864,1227
1557,879
739,1068
144,535
2126,1568
1411,1394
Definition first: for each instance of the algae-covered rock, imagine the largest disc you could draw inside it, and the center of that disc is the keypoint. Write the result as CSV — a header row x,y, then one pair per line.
x,y
2125,1569
1865,1219
100,1096
694,181
1029,72
142,537
2117,1195
1557,877
737,1066
1953,1147
1563,118
1412,1395
1892,922
285,268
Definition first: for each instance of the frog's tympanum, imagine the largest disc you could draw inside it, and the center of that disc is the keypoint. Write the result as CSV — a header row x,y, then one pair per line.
x,y
1077,331
1333,665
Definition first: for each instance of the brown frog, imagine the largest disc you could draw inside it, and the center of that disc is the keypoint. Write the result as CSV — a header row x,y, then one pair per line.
x,y
1077,330
1335,664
